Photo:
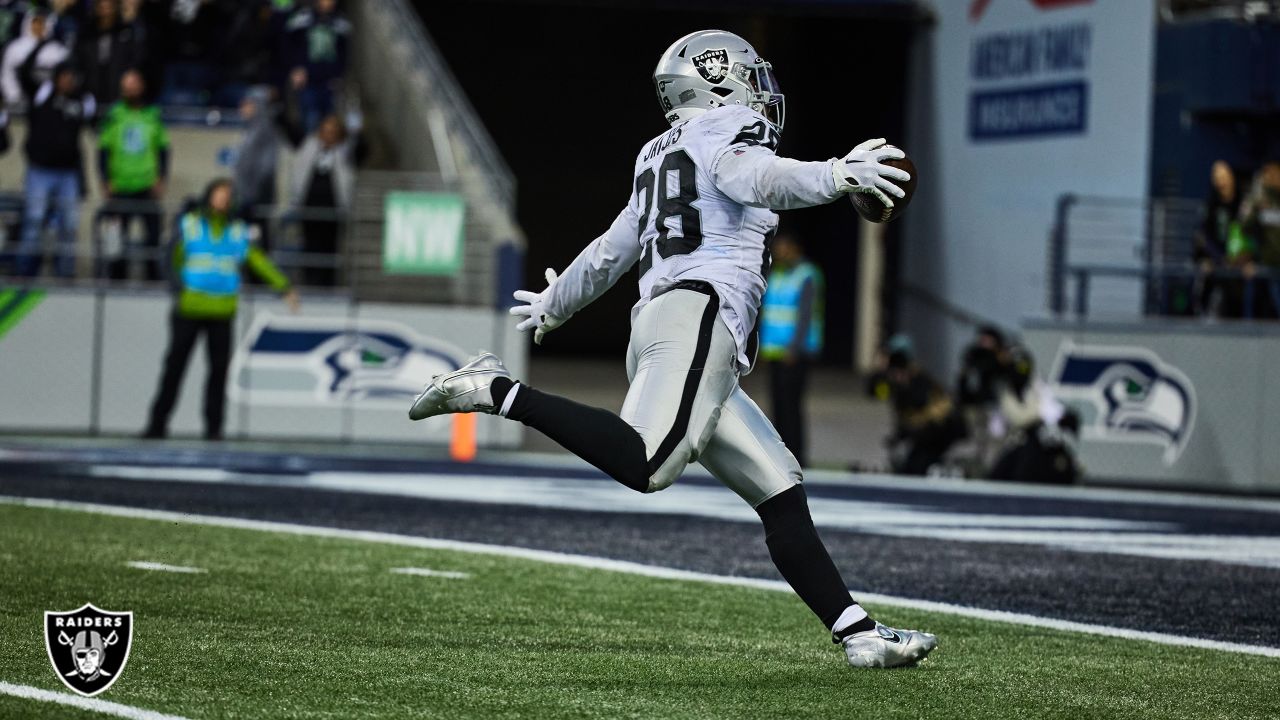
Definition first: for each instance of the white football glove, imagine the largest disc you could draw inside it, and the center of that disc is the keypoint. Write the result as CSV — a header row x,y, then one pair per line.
x,y
534,310
861,171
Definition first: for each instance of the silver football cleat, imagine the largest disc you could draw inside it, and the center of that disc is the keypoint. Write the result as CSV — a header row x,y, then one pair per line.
x,y
886,647
461,391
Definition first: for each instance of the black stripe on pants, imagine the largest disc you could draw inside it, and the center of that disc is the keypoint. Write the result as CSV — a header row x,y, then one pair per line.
x,y
691,382
606,440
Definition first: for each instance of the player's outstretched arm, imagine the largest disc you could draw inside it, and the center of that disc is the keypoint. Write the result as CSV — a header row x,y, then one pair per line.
x,y
600,264
756,177
753,175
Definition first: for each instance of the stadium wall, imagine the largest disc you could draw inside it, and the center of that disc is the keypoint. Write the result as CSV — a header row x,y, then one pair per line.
x,y
1014,102
1168,404
80,361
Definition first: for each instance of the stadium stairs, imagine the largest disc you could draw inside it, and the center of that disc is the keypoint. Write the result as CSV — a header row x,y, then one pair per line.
x,y
432,140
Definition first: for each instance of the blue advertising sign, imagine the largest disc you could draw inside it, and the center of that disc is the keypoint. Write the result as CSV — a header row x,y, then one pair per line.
x,y
1060,108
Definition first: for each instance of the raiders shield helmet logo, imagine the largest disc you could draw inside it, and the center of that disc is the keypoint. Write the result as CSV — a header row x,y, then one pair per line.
x,y
713,65
88,647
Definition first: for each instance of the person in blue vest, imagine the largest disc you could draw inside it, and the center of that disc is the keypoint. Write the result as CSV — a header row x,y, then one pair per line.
x,y
791,336
210,247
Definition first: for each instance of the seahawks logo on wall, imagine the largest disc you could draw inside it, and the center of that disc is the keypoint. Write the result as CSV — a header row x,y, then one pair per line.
x,y
291,361
713,65
1126,394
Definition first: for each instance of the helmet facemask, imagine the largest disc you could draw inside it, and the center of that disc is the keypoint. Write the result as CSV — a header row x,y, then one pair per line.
x,y
766,95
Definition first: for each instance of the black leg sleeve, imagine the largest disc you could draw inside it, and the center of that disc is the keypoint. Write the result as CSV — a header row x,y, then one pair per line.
x,y
597,436
800,556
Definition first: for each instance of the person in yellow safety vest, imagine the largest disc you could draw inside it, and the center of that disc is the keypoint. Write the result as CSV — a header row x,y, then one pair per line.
x,y
791,336
209,250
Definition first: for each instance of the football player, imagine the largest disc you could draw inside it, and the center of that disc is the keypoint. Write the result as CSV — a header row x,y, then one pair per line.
x,y
698,222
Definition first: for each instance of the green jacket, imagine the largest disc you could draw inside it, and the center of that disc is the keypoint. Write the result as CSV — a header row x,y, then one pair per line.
x,y
208,256
132,141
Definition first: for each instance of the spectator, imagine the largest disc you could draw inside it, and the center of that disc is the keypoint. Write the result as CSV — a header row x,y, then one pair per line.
x,y
976,389
926,423
323,176
253,39
36,40
208,253
1221,211
316,44
59,110
1261,220
107,48
278,70
195,36
256,156
791,336
132,20
1034,449
133,160
64,22
11,12
131,14
5,141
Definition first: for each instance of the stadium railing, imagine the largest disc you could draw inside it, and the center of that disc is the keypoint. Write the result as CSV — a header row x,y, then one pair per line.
x,y
490,265
125,242
1121,257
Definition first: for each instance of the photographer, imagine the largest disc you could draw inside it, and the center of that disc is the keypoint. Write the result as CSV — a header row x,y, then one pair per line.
x,y
1034,422
926,422
976,390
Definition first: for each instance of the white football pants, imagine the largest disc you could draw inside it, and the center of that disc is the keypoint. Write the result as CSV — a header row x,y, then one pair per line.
x,y
685,401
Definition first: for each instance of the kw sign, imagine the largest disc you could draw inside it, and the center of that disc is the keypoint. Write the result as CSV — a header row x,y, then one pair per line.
x,y
422,233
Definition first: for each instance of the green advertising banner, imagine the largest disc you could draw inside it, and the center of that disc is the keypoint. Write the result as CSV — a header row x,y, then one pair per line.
x,y
423,233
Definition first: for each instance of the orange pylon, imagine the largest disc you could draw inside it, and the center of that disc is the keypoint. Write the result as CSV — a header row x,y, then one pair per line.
x,y
462,442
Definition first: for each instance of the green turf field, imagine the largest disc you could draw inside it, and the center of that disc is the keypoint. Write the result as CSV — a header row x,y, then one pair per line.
x,y
285,626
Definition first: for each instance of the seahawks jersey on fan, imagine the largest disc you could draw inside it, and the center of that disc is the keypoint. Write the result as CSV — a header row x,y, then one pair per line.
x,y
701,208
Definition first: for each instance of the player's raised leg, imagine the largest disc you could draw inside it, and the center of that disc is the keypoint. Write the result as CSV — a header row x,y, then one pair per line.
x,y
747,455
681,361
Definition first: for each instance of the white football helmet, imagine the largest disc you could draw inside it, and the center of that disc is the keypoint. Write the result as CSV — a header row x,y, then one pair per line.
x,y
710,68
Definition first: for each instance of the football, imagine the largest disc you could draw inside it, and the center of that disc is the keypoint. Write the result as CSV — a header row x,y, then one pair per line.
x,y
869,207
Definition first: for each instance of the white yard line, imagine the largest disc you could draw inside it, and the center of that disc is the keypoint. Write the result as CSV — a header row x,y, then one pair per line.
x,y
622,566
428,572
161,567
106,707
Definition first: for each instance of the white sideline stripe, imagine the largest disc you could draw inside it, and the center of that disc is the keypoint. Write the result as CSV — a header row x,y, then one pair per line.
x,y
1084,534
106,707
161,567
623,566
428,572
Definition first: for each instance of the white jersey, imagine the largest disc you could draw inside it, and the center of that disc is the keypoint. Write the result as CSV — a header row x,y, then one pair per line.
x,y
701,208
